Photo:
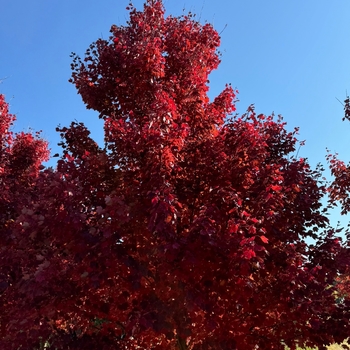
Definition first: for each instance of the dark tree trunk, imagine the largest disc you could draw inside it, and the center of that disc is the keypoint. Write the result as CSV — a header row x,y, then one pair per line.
x,y
181,343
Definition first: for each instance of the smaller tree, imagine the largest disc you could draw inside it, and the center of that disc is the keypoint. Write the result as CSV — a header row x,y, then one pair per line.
x,y
21,158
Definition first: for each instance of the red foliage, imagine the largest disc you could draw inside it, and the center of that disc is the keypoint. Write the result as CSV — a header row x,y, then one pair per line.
x,y
343,287
187,231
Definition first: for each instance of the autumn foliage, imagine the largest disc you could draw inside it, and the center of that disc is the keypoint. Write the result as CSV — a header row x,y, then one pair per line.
x,y
188,230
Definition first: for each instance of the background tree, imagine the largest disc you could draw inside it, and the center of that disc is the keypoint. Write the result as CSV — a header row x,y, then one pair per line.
x,y
186,231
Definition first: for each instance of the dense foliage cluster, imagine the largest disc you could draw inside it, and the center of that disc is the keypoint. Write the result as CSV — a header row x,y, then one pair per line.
x,y
187,230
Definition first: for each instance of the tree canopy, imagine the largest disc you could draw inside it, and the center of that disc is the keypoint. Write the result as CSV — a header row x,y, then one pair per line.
x,y
187,230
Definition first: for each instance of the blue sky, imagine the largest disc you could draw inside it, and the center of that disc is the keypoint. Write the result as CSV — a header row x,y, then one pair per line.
x,y
288,57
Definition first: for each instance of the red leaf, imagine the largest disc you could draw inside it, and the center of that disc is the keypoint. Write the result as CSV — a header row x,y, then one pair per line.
x,y
252,230
233,228
249,254
264,239
276,188
155,200
244,213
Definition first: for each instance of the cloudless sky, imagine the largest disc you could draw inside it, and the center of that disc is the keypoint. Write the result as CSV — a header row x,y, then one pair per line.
x,y
290,57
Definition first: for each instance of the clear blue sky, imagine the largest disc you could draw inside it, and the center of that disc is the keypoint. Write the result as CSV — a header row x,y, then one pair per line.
x,y
291,57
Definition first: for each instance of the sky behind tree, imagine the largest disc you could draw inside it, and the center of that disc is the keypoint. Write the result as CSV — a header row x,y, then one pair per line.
x,y
287,57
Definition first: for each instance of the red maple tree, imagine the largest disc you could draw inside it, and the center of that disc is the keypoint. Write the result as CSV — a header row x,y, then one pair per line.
x,y
187,230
